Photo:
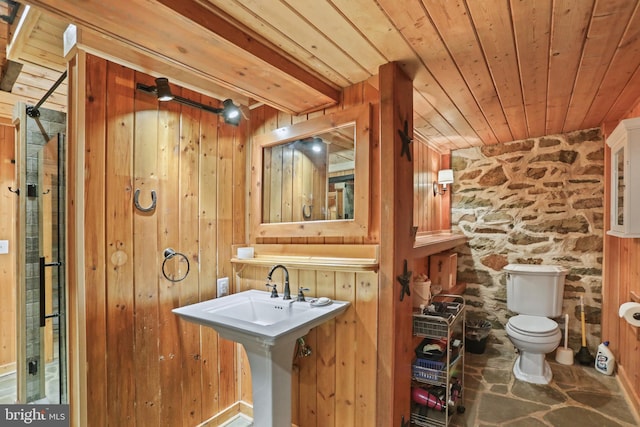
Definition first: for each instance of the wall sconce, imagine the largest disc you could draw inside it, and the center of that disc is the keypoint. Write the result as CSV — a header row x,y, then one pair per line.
x,y
445,176
229,112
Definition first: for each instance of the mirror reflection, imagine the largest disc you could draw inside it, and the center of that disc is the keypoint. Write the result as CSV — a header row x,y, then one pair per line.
x,y
310,178
303,177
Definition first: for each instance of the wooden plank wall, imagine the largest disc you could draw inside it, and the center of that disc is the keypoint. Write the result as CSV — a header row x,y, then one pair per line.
x,y
144,365
621,276
8,206
427,215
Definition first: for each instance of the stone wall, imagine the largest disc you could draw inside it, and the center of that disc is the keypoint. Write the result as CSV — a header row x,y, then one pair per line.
x,y
535,201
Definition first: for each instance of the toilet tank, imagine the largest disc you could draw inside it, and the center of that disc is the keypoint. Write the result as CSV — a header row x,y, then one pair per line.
x,y
536,290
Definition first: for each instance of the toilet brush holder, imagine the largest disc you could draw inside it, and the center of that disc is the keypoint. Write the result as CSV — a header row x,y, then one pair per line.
x,y
564,355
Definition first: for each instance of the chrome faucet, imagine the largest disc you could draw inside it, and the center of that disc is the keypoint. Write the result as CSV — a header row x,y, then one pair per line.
x,y
287,290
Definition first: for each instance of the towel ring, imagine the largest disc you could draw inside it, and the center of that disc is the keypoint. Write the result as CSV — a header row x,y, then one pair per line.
x,y
169,254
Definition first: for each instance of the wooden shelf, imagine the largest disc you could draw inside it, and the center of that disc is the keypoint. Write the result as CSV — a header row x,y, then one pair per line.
x,y
314,257
432,243
458,289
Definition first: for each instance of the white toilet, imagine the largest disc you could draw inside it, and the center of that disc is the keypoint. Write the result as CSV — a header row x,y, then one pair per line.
x,y
535,292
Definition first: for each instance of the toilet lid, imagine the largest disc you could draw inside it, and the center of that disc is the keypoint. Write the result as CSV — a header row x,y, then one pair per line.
x,y
533,324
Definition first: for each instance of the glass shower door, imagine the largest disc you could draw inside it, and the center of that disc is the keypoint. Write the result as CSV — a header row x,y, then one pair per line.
x,y
51,204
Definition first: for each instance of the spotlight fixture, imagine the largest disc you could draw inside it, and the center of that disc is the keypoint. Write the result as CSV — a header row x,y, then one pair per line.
x,y
445,176
163,90
229,111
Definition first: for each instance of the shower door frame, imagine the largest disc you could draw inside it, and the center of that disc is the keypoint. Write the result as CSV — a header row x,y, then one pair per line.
x,y
22,367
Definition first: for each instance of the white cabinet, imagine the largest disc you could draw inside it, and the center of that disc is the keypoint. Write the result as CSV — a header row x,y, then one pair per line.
x,y
625,179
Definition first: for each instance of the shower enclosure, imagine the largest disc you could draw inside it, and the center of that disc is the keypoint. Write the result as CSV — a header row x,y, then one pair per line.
x,y
41,327
51,269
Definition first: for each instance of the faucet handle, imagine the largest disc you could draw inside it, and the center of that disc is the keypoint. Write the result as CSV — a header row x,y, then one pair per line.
x,y
301,293
274,290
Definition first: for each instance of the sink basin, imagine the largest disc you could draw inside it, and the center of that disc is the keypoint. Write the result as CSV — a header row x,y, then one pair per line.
x,y
268,329
253,315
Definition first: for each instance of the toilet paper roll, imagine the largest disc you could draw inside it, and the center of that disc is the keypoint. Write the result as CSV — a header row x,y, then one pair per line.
x,y
630,311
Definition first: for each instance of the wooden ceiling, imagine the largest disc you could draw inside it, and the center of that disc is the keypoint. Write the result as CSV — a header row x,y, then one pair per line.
x,y
484,71
33,40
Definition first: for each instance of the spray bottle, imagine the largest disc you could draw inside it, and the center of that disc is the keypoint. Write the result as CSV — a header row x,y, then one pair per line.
x,y
605,361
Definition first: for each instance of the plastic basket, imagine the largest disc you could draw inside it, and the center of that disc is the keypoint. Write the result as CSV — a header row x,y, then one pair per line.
x,y
429,370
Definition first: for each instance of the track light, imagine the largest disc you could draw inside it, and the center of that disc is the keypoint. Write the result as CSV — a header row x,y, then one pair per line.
x,y
229,111
163,90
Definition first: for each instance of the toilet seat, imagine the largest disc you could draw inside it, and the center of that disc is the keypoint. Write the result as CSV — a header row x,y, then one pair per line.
x,y
534,326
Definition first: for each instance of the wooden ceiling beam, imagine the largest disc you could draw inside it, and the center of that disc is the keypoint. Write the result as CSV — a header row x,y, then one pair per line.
x,y
23,31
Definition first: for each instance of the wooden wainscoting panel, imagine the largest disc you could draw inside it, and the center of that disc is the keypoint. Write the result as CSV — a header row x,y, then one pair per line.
x,y
171,356
8,205
325,350
145,256
95,247
208,259
225,235
308,372
188,245
367,349
121,374
345,354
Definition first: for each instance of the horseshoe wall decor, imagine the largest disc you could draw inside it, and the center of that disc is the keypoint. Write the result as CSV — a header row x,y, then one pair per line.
x,y
304,212
136,202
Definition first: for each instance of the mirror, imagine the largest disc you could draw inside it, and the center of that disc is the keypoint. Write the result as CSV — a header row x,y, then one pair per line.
x,y
312,178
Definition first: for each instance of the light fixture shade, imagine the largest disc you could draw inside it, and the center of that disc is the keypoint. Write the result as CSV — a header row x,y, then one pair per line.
x,y
445,176
163,90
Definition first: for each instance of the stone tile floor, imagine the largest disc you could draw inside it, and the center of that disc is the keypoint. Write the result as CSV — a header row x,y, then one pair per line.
x,y
8,381
577,395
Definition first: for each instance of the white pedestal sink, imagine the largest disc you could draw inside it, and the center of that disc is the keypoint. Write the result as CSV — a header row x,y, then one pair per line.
x,y
268,329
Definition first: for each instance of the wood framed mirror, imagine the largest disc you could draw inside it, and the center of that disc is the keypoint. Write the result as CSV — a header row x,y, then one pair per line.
x,y
311,179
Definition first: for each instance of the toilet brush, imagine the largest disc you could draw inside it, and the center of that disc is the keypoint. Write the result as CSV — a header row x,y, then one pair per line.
x,y
564,355
583,356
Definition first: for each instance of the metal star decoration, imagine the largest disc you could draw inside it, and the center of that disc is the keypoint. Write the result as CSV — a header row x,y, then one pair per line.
x,y
404,136
404,280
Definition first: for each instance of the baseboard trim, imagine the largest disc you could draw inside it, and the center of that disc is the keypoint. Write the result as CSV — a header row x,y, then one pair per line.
x,y
8,368
240,407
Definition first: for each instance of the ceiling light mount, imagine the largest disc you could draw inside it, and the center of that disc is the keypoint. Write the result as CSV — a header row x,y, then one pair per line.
x,y
229,111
